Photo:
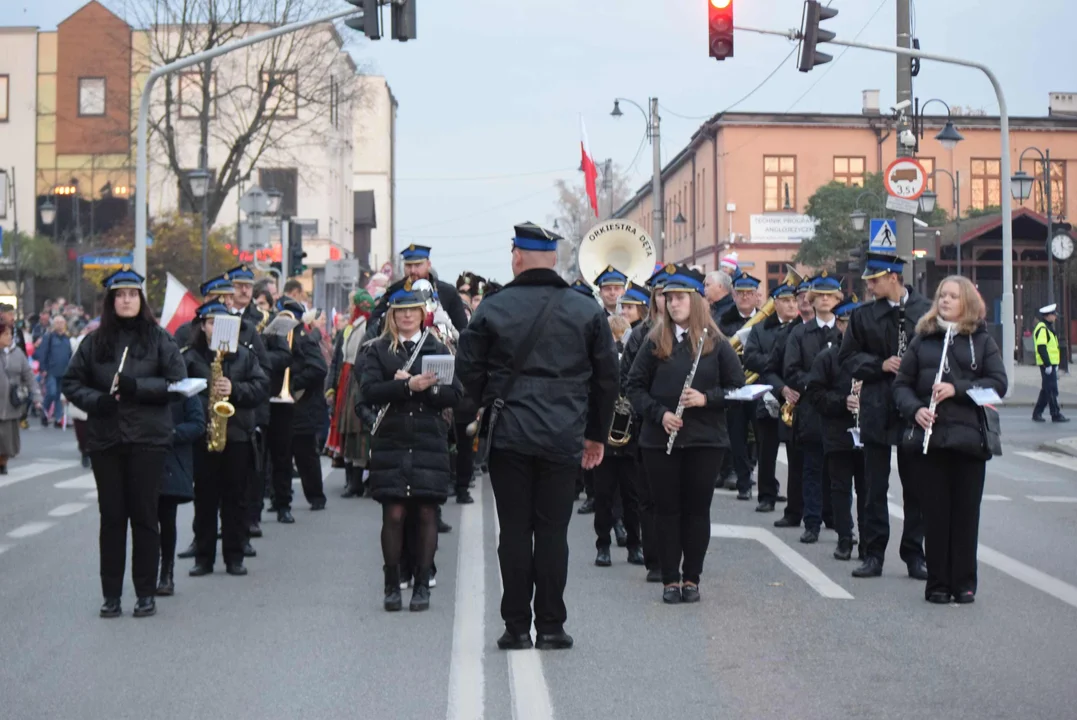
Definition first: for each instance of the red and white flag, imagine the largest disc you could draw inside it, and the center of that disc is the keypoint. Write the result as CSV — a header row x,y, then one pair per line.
x,y
180,305
590,171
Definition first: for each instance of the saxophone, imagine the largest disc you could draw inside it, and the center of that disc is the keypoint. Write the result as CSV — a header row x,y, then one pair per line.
x,y
219,408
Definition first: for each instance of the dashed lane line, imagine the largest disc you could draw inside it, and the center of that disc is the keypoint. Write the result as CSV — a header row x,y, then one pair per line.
x,y
92,495
29,529
1052,498
996,498
84,481
68,509
5,548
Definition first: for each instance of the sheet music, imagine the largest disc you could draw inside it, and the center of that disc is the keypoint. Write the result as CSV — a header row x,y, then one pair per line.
x,y
225,333
444,366
280,326
748,392
984,396
189,386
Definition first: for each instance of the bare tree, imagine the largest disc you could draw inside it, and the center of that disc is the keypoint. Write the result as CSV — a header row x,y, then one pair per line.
x,y
273,102
575,216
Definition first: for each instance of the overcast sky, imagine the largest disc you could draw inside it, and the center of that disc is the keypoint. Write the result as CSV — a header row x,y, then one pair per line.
x,y
491,92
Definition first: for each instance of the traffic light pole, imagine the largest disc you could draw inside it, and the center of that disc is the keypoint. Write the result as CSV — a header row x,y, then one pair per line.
x,y
904,226
142,161
1008,327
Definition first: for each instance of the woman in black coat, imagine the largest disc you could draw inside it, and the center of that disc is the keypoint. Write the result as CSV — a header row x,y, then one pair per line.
x,y
177,487
952,471
120,376
410,470
220,477
682,482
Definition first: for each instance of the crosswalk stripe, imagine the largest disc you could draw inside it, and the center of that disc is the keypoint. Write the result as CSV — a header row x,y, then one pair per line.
x,y
28,472
1052,498
68,509
1056,459
84,481
998,498
29,529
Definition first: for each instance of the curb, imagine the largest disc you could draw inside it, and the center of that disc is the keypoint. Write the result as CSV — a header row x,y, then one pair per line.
x,y
1057,447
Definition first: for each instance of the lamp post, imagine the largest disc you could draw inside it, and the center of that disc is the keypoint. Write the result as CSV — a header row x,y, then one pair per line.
x,y
657,202
948,137
198,181
1021,188
929,198
858,216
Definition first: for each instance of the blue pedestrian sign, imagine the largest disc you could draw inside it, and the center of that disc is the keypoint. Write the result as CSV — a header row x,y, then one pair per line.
x,y
883,235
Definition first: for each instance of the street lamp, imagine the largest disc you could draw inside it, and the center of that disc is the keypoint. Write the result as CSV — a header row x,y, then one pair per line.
x,y
679,220
858,216
1021,185
948,137
929,199
199,182
1021,189
653,132
273,197
48,212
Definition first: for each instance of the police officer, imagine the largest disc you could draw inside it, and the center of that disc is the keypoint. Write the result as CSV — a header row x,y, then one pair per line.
x,y
554,408
1047,358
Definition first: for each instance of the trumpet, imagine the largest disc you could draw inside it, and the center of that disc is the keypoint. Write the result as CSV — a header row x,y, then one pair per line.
x,y
792,277
285,396
788,413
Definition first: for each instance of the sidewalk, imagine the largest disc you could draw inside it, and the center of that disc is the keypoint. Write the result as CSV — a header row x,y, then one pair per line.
x,y
1026,388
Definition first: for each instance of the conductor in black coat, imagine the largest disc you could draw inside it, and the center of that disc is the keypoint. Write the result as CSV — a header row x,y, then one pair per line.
x,y
558,411
878,335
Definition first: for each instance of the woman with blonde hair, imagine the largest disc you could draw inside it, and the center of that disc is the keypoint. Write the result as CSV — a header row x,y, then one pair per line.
x,y
682,480
953,469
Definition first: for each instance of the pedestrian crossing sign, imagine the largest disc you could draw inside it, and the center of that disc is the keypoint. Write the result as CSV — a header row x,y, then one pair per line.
x,y
883,235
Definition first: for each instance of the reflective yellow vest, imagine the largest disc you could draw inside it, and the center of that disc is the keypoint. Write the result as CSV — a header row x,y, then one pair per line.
x,y
1042,335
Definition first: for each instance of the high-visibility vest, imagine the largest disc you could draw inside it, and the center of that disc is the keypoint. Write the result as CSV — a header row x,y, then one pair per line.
x,y
1042,335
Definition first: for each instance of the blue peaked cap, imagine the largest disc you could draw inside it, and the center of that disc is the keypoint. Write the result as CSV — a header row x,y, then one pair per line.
x,y
744,281
636,295
530,236
406,298
879,264
783,290
241,274
683,279
218,286
415,253
611,276
826,284
845,309
583,288
213,307
125,277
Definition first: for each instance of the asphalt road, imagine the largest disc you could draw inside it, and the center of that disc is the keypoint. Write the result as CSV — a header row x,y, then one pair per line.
x,y
783,631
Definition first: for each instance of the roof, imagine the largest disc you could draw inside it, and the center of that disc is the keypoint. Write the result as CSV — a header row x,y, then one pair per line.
x,y
985,226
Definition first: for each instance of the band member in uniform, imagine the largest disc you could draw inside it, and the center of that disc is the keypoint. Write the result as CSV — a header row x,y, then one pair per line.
x,y
348,439
634,305
1047,357
611,284
554,404
678,383
877,338
830,392
237,385
120,376
417,267
757,350
739,416
177,483
409,460
952,338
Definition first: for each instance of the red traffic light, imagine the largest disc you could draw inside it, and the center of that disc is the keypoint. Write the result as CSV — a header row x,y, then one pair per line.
x,y
720,27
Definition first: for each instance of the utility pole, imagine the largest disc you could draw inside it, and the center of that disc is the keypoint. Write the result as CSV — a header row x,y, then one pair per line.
x,y
658,216
607,185
904,93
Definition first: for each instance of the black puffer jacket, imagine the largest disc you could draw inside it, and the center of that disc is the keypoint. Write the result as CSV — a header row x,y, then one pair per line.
x,y
829,384
250,386
871,338
756,355
409,457
567,387
805,343
957,426
308,385
654,388
142,417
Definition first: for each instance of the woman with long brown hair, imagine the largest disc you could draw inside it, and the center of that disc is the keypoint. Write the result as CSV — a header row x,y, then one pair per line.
x,y
682,481
952,472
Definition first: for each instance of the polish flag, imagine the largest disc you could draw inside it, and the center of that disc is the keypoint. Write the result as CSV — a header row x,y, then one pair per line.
x,y
180,305
590,171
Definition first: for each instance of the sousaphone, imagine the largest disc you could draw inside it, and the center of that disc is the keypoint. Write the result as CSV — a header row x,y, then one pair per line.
x,y
619,243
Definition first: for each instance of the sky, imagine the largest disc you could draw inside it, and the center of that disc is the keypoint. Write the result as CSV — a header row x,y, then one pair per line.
x,y
491,93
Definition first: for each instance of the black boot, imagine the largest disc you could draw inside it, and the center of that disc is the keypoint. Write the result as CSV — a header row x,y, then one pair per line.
x,y
188,553
420,592
145,607
392,588
166,587
111,608
353,476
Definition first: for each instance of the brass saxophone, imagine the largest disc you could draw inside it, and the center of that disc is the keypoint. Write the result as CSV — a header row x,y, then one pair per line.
x,y
219,408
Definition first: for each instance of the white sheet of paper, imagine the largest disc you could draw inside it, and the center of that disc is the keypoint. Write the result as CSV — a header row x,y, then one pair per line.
x,y
748,392
855,432
225,333
281,326
984,396
189,386
444,366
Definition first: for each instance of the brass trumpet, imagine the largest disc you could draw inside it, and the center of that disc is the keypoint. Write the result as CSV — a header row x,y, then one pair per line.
x,y
792,277
285,395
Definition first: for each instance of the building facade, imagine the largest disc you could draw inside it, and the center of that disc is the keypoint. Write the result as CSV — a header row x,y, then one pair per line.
x,y
374,172
18,125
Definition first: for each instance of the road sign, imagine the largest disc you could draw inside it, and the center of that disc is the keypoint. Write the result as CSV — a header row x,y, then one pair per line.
x,y
105,261
342,272
883,235
901,205
905,178
254,200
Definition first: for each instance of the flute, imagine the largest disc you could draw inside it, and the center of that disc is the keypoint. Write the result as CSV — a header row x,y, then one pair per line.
x,y
687,385
938,379
116,377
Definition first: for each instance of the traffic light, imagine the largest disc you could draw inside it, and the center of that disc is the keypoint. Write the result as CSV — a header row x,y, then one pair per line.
x,y
721,28
404,20
369,23
295,250
811,35
856,259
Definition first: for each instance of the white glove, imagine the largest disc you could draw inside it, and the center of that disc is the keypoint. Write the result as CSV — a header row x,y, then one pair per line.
x,y
442,318
742,335
1048,370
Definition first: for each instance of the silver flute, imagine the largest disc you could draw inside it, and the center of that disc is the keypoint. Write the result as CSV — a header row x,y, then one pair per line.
x,y
407,366
687,384
938,379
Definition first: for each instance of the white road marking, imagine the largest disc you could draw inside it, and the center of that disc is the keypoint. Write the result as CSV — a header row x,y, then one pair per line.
x,y
1052,498
27,472
527,681
1056,459
5,548
787,555
92,495
997,498
82,482
467,677
1018,570
68,509
29,529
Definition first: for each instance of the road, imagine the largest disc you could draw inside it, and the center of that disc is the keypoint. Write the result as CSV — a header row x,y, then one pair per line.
x,y
783,631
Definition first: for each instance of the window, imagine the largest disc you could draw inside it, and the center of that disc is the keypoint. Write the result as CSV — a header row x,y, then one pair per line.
x,y
986,183
187,202
779,182
282,90
287,181
91,96
5,96
1058,188
703,200
190,95
849,171
775,275
929,167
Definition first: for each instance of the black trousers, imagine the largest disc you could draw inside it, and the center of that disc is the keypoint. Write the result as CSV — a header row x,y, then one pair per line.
x,y
738,418
645,501
128,479
682,485
534,497
280,453
1048,397
876,525
616,473
220,485
465,458
257,474
953,486
794,486
166,521
846,468
768,458
305,452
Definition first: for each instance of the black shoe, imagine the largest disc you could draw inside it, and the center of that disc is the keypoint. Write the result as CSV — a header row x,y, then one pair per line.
x,y
966,597
602,559
255,530
317,505
1038,418
810,536
1060,418
392,601
553,641
443,527
786,521
351,492
511,641
635,556
167,586
918,569
744,495
3,469
235,568
861,552
845,549
85,461
285,516
938,598
464,498
199,570
188,553
249,551
690,593
111,608
765,506
420,592
620,534
872,567
145,607
782,498
671,594
586,507
654,575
